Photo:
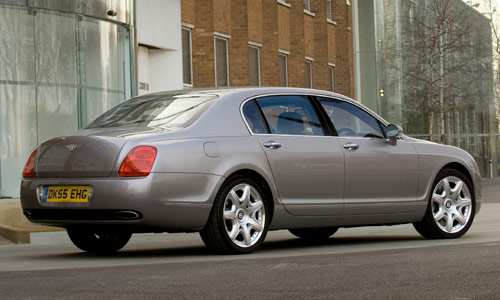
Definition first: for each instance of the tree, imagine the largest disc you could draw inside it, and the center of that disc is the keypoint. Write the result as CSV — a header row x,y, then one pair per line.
x,y
441,45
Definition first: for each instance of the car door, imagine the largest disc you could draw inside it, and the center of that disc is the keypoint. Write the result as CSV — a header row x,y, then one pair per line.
x,y
307,165
379,177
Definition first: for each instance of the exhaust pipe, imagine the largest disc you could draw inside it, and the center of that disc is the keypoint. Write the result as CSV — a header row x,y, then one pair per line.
x,y
127,215
27,214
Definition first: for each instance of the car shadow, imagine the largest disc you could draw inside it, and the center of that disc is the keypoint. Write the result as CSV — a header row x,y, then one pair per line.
x,y
293,245
340,241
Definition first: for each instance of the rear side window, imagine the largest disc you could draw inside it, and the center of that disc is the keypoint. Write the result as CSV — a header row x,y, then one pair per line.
x,y
290,115
157,110
254,118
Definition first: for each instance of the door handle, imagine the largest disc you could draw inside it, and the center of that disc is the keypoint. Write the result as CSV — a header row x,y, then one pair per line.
x,y
351,146
272,145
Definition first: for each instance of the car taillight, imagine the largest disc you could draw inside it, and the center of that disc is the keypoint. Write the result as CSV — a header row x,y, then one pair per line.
x,y
29,168
138,162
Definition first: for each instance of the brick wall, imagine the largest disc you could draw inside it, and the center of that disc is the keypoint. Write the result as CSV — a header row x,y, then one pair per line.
x,y
320,35
283,27
203,44
238,44
344,70
269,72
296,59
188,11
274,26
255,20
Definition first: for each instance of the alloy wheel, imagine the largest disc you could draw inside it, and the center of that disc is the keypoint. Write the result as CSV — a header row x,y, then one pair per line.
x,y
451,204
244,215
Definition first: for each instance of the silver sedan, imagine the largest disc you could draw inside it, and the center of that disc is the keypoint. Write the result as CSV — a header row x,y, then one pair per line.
x,y
233,164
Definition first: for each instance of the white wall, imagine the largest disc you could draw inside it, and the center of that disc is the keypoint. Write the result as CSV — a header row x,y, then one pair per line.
x,y
159,59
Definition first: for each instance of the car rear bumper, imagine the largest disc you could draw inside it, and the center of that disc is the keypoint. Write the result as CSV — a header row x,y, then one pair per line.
x,y
169,202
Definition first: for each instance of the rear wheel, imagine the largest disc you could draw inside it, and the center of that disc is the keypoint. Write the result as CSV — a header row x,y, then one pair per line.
x,y
239,219
314,234
98,241
451,207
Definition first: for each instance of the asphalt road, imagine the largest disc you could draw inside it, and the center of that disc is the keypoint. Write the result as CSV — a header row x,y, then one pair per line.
x,y
356,263
469,271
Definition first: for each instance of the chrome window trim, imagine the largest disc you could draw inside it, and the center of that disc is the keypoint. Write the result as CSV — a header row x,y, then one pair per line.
x,y
336,97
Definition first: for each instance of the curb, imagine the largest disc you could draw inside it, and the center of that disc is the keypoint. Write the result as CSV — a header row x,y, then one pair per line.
x,y
15,226
17,235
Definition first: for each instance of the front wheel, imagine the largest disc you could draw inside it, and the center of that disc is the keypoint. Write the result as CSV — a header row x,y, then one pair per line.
x,y
98,241
451,207
239,219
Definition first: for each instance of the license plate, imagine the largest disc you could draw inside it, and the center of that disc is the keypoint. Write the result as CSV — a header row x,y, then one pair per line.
x,y
71,194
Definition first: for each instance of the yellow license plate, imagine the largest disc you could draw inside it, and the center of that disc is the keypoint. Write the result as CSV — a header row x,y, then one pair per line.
x,y
66,193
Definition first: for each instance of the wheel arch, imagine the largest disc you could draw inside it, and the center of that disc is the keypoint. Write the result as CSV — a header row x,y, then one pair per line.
x,y
432,228
259,179
460,168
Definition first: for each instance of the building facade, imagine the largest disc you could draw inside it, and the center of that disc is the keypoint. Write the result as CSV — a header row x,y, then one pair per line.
x,y
270,43
301,43
427,65
62,63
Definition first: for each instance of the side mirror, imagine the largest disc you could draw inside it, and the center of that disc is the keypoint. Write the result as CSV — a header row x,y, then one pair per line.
x,y
393,133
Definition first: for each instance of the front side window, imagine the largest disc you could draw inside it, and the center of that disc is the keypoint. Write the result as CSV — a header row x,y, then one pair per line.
x,y
290,115
350,120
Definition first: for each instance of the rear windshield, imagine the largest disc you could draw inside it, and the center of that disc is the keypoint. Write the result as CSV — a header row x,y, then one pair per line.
x,y
165,111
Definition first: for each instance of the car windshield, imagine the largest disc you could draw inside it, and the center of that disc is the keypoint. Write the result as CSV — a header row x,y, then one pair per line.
x,y
160,110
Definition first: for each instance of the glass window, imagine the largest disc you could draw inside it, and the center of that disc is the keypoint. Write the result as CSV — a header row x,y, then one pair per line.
x,y
283,65
254,65
307,5
254,118
105,55
331,78
156,110
350,120
329,10
309,83
293,115
187,67
221,62
57,72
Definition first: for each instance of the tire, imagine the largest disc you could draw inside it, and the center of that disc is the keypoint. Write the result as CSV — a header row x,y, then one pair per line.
x,y
98,241
314,234
451,207
239,219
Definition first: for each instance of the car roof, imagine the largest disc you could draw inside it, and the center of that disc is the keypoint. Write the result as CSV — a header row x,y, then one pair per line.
x,y
249,91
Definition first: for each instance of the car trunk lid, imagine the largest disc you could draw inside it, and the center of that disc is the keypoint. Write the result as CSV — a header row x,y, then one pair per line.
x,y
78,156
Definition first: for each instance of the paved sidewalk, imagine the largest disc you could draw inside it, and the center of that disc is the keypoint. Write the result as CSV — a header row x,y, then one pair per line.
x,y
5,241
13,224
491,190
15,228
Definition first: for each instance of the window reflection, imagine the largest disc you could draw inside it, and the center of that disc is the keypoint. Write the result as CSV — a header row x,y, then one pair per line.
x,y
155,111
58,71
